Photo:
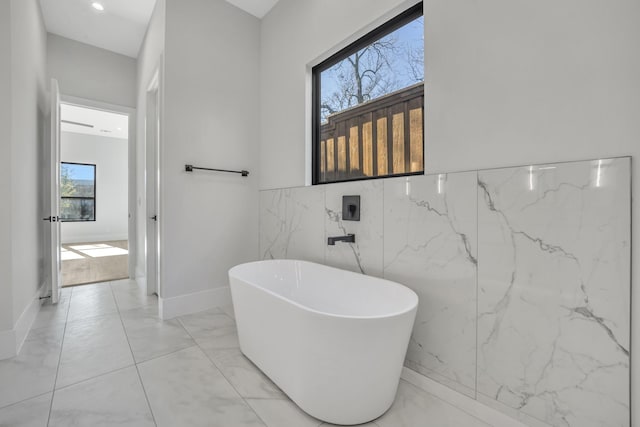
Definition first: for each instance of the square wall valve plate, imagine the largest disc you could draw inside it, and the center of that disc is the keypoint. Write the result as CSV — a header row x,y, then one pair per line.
x,y
351,208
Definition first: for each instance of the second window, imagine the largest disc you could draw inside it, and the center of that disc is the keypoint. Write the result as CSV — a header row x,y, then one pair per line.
x,y
77,192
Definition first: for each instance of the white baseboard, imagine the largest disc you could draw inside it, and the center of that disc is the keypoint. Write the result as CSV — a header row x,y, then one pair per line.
x,y
7,344
140,273
465,403
26,319
195,302
142,282
11,341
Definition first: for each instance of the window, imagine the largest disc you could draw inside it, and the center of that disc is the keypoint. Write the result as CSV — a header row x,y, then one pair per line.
x,y
77,192
368,105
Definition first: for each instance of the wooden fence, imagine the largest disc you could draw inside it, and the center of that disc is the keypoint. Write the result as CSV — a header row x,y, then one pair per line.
x,y
376,138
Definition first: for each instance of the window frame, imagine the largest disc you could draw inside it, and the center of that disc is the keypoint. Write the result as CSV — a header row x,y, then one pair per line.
x,y
379,32
95,193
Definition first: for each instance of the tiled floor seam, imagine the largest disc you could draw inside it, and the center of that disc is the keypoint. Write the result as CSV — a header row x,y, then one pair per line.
x,y
42,327
458,408
222,373
139,362
226,370
84,319
444,401
160,356
64,332
24,400
93,377
144,390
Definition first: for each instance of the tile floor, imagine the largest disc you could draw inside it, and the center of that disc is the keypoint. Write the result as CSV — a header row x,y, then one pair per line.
x,y
102,357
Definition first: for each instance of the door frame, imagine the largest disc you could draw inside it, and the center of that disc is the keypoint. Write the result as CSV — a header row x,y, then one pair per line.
x,y
131,179
53,197
152,147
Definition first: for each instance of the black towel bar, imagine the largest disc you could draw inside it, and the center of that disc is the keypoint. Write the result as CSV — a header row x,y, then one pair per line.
x,y
190,168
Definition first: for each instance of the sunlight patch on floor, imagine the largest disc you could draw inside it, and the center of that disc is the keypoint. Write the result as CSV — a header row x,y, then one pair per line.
x,y
66,254
97,250
102,252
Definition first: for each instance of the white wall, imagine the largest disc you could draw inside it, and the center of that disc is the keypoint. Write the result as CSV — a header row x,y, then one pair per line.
x,y
209,221
22,47
90,72
6,302
508,83
562,85
293,34
28,59
110,155
149,60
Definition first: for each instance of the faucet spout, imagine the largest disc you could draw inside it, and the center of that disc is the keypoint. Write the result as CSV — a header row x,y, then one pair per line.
x,y
349,238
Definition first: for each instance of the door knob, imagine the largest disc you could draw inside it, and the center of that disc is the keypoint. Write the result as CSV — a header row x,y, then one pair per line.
x,y
155,217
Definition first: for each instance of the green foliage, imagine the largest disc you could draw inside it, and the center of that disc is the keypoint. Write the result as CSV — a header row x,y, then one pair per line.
x,y
67,187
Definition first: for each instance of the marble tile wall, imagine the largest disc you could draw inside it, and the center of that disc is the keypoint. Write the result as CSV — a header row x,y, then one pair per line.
x,y
554,291
365,255
292,223
430,246
523,276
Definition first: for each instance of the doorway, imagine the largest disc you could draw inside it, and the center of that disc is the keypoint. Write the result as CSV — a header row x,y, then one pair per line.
x,y
95,192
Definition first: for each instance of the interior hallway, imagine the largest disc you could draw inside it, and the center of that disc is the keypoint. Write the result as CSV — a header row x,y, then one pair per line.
x,y
102,357
94,262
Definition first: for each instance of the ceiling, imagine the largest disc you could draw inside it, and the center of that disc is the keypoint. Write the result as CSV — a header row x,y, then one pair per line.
x,y
94,122
258,8
121,26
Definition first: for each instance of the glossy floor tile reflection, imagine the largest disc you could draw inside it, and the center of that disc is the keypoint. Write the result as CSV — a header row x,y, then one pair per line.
x,y
102,357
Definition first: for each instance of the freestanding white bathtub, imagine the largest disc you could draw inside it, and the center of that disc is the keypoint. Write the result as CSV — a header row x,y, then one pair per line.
x,y
334,341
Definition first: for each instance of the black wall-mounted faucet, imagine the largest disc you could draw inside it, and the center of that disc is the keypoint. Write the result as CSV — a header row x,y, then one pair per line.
x,y
349,238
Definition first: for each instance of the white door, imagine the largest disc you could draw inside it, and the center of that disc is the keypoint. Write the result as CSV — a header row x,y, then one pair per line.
x,y
54,202
152,182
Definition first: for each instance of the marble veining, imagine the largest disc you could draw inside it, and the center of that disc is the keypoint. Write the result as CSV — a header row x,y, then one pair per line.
x,y
151,337
365,255
247,379
523,275
184,388
94,345
431,246
553,300
28,413
83,404
33,371
291,224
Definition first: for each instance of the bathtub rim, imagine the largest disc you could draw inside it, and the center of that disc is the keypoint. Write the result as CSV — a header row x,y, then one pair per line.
x,y
414,307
